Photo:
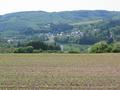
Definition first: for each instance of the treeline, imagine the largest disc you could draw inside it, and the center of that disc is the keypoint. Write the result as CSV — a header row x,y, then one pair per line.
x,y
104,47
40,47
37,47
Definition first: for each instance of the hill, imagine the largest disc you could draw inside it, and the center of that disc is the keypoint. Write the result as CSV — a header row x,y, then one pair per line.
x,y
81,27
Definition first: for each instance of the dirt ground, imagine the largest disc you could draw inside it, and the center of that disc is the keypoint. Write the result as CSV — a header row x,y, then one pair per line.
x,y
60,72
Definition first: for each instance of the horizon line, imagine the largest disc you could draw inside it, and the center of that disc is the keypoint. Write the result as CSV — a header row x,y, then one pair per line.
x,y
58,11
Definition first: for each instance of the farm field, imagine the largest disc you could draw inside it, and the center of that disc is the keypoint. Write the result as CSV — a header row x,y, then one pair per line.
x,y
60,72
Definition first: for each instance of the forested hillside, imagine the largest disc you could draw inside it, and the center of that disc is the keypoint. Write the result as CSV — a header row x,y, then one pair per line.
x,y
69,27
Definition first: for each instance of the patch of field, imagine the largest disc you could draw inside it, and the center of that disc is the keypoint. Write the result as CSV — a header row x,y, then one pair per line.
x,y
60,72
88,22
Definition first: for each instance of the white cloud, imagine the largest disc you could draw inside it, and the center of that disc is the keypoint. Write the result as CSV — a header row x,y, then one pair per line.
x,y
8,6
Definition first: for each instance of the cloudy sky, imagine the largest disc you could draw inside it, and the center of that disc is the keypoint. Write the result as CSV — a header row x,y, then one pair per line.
x,y
9,6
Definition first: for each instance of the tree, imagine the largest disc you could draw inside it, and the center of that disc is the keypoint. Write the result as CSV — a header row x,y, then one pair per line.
x,y
101,47
116,48
28,49
37,45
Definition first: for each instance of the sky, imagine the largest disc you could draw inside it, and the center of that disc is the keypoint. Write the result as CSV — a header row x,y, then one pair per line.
x,y
10,6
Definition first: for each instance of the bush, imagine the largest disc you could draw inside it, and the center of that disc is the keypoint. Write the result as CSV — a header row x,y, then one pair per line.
x,y
37,45
73,52
101,47
109,48
28,49
116,48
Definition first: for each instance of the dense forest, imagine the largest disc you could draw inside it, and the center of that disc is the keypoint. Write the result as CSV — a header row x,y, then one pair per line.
x,y
68,31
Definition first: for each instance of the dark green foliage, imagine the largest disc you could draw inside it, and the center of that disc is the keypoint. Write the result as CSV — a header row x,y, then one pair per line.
x,y
62,27
100,47
28,49
116,48
53,47
43,46
73,52
88,40
109,48
103,47
37,45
